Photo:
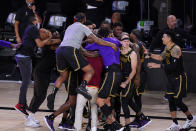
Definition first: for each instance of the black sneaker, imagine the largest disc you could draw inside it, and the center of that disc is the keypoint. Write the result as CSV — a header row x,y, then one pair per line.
x,y
88,127
144,122
65,126
50,101
127,128
107,127
83,91
117,126
134,123
22,109
49,122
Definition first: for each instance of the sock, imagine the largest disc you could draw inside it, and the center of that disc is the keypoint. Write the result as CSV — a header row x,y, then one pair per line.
x,y
64,119
51,116
190,117
175,121
55,90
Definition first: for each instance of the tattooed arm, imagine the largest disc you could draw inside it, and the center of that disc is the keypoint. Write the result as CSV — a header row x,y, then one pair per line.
x,y
176,52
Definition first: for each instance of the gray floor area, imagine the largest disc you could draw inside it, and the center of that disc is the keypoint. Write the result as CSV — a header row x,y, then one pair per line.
x,y
153,105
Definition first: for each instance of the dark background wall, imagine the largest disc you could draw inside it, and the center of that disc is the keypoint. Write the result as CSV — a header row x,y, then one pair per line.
x,y
184,10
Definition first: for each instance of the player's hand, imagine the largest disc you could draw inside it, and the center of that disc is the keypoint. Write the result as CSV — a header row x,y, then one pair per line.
x,y
18,40
123,85
114,47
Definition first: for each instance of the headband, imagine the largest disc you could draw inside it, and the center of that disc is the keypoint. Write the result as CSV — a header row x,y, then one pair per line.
x,y
126,38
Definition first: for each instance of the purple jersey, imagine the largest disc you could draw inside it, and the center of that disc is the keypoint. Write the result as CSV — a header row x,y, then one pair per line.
x,y
108,55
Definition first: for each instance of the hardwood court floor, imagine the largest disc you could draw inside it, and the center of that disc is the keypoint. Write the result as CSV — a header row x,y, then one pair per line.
x,y
11,120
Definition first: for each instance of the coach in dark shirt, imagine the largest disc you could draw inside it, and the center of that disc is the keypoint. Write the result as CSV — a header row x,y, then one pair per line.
x,y
22,18
180,34
24,54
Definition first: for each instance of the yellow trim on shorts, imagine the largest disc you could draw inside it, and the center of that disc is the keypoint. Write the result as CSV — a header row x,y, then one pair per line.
x,y
140,93
103,82
68,82
179,88
76,60
112,84
64,70
128,89
186,81
169,93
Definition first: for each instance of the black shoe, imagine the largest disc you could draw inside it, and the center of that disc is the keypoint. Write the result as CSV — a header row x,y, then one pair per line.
x,y
65,126
83,91
117,126
88,127
49,122
127,128
144,122
107,127
21,108
134,123
50,101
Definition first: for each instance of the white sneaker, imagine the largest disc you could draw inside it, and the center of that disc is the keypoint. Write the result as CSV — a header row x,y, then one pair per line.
x,y
94,129
32,117
31,123
189,123
173,127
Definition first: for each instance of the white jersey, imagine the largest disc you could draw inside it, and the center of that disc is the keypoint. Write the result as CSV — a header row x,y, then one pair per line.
x,y
74,35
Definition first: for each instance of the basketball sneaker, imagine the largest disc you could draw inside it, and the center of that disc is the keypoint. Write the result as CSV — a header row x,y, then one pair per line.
x,y
173,127
49,122
31,122
22,109
83,91
189,123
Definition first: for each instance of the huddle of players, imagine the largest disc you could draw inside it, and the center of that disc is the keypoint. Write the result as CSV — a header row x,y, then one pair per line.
x,y
117,86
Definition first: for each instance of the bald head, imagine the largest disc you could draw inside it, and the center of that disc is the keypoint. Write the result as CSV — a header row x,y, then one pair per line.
x,y
171,21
